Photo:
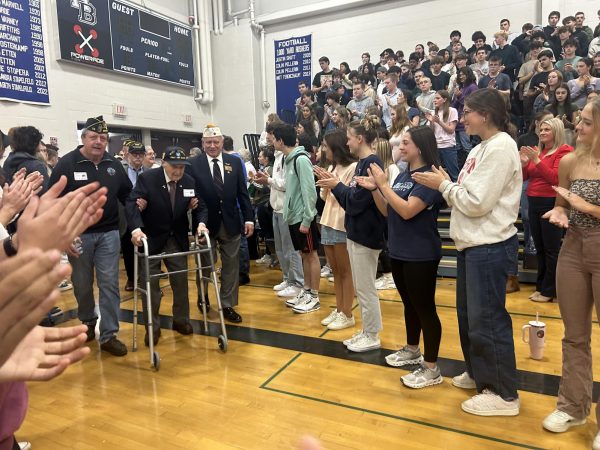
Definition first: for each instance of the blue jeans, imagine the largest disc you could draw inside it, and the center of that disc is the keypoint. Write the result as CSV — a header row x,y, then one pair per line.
x,y
289,259
463,147
449,161
485,327
100,251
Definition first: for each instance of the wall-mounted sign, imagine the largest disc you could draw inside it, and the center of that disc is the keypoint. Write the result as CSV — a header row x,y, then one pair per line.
x,y
22,57
119,36
292,65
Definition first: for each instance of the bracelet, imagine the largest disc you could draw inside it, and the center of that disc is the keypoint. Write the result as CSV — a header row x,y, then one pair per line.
x,y
9,247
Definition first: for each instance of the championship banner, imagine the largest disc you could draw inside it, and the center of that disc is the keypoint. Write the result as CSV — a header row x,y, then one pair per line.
x,y
292,65
123,37
22,57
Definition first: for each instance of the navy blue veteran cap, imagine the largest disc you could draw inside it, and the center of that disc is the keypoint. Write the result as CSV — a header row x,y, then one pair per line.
x,y
97,125
175,155
136,147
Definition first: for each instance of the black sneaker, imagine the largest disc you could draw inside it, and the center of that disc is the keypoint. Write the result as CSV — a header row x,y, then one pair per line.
x,y
91,331
114,346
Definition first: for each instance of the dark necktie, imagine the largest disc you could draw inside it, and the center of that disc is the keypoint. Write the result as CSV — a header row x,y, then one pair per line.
x,y
217,178
172,188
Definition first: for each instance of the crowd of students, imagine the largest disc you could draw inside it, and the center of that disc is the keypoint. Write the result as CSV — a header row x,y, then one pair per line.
x,y
479,131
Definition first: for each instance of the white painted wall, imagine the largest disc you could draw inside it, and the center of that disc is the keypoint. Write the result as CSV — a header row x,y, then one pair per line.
x,y
78,92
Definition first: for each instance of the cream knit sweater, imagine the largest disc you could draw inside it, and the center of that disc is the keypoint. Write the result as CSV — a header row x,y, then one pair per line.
x,y
485,199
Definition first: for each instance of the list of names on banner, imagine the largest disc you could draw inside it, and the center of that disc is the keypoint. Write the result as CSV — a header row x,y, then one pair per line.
x,y
22,58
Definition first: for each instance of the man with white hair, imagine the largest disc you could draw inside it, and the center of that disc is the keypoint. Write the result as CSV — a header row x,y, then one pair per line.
x,y
221,183
150,158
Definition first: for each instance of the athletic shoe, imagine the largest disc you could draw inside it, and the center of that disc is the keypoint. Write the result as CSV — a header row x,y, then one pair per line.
x,y
464,381
330,318
541,298
559,421
404,356
386,281
489,404
354,337
364,343
596,443
65,286
330,279
266,259
341,322
281,286
326,271
24,445
291,302
422,377
290,291
310,304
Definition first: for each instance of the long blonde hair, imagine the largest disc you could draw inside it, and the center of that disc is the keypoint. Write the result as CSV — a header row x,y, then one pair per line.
x,y
584,149
558,131
383,150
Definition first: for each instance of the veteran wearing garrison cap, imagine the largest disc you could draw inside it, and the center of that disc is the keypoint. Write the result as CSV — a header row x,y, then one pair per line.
x,y
168,193
221,184
100,244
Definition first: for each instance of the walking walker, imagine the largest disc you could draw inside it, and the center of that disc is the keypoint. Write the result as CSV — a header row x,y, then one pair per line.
x,y
212,278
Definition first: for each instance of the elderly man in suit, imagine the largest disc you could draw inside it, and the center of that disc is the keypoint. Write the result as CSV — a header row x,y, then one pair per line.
x,y
168,192
221,184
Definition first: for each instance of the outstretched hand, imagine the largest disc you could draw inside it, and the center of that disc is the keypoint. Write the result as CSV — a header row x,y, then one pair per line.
x,y
44,353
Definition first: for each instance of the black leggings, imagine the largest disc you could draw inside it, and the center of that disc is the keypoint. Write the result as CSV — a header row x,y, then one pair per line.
x,y
416,282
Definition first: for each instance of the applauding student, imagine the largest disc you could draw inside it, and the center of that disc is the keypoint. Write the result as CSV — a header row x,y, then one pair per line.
x,y
415,250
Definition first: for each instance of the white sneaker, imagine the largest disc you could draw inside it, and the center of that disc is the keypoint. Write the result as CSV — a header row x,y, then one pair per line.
x,y
490,404
326,271
266,259
364,343
310,304
596,443
25,445
330,279
464,381
299,298
354,337
330,318
385,282
341,321
559,421
404,356
422,377
281,286
290,291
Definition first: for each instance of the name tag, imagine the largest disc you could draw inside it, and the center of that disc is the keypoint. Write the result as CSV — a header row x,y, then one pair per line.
x,y
189,193
80,176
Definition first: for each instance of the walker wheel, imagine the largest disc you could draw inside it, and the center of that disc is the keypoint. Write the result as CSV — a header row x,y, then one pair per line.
x,y
222,343
156,361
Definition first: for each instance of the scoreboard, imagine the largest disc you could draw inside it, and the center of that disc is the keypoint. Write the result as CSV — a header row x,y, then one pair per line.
x,y
119,36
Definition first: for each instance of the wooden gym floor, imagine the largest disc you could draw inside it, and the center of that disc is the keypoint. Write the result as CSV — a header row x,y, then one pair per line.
x,y
285,376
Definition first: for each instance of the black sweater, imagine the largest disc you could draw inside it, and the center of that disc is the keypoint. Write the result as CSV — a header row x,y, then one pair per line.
x,y
109,173
364,223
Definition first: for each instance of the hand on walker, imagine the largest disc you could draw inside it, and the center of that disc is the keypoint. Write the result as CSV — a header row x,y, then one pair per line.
x,y
136,238
200,231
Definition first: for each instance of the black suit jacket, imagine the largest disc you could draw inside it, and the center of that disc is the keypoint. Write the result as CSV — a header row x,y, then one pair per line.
x,y
214,211
158,221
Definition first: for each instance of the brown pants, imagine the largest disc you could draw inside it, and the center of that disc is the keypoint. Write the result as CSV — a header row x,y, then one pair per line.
x,y
578,289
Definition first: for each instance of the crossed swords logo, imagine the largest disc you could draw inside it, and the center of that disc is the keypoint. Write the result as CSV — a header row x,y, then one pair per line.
x,y
79,48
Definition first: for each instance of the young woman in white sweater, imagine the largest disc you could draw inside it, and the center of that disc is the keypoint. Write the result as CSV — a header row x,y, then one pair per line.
x,y
485,205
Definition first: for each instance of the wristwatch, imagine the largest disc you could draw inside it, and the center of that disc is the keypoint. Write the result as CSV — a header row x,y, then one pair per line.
x,y
9,247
